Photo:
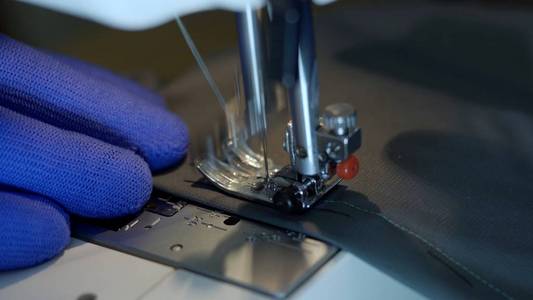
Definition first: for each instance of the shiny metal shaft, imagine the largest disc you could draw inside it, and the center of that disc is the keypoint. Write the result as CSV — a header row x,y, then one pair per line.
x,y
298,64
304,97
251,47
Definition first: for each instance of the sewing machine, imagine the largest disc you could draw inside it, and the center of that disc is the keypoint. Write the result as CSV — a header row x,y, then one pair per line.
x,y
234,256
197,238
278,62
277,57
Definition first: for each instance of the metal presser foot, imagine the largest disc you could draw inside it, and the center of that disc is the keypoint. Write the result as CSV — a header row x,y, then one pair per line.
x,y
277,53
241,171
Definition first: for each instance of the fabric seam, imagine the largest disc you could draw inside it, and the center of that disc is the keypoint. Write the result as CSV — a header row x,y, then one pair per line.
x,y
427,243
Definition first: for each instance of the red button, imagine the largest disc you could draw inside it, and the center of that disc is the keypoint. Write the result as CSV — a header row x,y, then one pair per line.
x,y
348,168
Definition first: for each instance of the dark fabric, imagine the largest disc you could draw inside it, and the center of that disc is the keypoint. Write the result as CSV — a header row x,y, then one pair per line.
x,y
445,99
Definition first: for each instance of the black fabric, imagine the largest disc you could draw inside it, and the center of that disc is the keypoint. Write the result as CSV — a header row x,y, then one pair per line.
x,y
444,96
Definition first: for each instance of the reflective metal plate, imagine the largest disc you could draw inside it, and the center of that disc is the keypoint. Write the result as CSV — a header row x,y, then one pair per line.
x,y
266,259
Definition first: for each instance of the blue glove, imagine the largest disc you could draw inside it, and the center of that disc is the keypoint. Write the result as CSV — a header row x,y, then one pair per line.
x,y
74,139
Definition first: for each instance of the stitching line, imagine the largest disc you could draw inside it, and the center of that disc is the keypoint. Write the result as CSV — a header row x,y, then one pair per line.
x,y
427,243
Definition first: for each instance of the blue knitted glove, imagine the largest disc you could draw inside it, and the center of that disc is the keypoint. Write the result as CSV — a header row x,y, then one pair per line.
x,y
74,139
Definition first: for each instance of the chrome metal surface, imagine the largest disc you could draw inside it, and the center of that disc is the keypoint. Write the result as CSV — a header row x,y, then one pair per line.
x,y
339,147
289,145
239,174
304,97
250,49
241,179
303,94
339,118
251,54
286,32
263,258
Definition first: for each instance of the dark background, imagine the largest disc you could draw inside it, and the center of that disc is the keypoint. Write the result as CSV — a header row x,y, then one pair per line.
x,y
159,55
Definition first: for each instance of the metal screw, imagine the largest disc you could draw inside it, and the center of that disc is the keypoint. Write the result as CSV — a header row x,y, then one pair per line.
x,y
258,186
176,247
301,152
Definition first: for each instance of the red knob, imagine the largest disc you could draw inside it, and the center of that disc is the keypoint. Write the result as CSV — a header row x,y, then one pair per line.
x,y
348,168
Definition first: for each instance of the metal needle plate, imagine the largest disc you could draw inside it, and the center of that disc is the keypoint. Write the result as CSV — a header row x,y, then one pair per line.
x,y
256,256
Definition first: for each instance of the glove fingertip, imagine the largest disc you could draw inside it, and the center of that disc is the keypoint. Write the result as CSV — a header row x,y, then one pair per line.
x,y
33,229
170,146
121,184
134,184
84,175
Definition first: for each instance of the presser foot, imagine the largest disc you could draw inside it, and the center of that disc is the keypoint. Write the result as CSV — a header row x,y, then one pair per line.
x,y
283,188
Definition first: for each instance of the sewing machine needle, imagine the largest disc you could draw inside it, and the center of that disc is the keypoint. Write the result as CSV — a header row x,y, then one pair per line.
x,y
265,150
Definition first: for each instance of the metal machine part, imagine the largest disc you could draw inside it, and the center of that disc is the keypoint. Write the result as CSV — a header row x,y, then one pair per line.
x,y
173,232
252,70
277,53
250,46
303,97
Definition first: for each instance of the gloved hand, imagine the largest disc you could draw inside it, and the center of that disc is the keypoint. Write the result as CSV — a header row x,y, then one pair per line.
x,y
74,139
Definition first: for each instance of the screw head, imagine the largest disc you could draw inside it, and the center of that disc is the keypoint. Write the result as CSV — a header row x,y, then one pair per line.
x,y
176,247
339,118
301,152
